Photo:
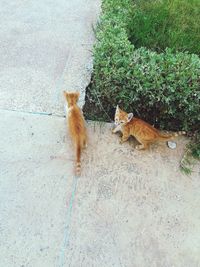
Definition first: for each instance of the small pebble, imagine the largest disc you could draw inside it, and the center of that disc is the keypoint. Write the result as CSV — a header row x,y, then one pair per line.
x,y
171,144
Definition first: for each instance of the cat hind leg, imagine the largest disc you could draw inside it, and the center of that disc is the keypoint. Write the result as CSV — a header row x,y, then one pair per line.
x,y
143,146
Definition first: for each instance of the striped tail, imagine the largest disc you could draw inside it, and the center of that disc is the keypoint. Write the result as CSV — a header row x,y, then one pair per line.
x,y
78,159
163,137
179,133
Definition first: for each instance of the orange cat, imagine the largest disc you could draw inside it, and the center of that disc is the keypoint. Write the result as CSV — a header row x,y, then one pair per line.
x,y
141,130
77,127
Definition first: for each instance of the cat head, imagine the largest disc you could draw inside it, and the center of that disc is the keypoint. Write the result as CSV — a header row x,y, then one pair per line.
x,y
71,97
121,117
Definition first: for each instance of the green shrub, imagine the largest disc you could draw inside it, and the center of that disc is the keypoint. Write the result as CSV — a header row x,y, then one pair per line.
x,y
162,88
166,23
191,155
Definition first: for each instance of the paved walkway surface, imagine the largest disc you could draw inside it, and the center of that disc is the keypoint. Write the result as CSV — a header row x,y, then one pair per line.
x,y
130,208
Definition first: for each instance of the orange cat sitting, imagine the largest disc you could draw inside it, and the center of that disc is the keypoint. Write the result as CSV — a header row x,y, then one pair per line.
x,y
76,124
141,130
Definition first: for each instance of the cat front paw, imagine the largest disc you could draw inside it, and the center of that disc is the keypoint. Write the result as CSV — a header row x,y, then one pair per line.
x,y
114,131
141,147
138,147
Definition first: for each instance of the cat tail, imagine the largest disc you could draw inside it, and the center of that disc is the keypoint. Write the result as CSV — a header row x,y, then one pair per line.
x,y
179,133
163,137
78,158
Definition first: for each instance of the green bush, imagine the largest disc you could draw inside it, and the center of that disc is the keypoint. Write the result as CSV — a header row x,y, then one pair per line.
x,y
162,88
191,155
166,23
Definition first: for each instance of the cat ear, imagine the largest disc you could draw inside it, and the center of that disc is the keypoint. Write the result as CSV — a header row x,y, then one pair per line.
x,y
117,108
130,116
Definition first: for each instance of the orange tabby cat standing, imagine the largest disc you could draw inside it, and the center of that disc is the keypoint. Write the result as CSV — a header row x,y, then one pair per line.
x,y
141,130
77,127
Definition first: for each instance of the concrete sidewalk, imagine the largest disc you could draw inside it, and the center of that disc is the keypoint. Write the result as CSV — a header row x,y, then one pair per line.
x,y
45,47
35,184
130,208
